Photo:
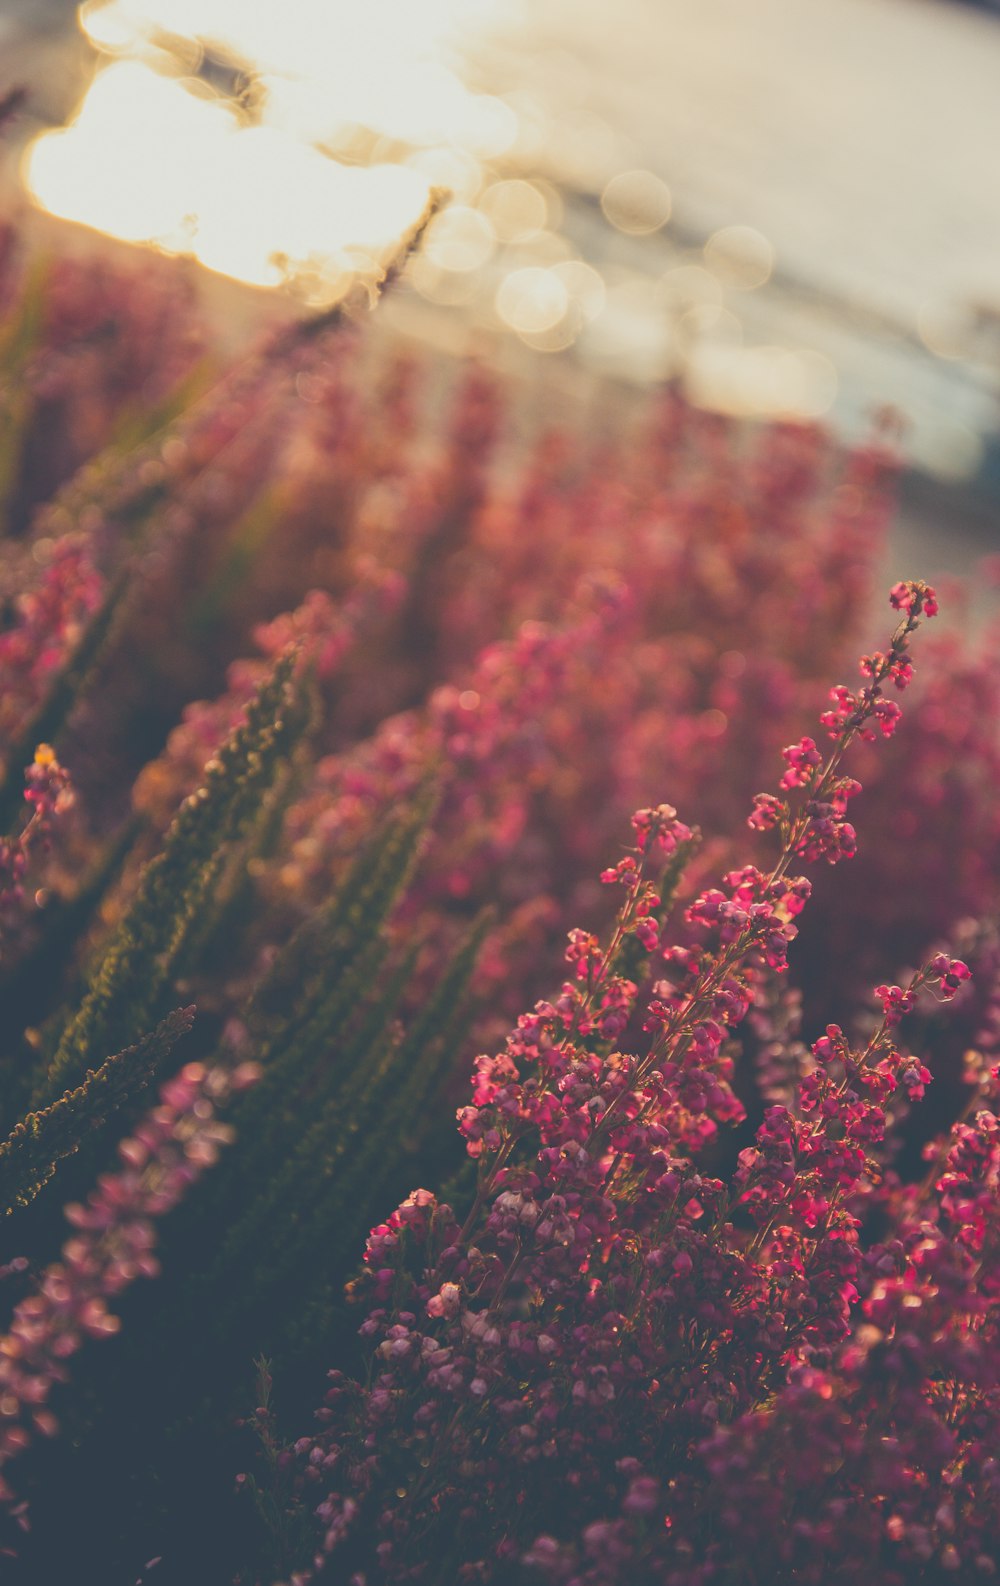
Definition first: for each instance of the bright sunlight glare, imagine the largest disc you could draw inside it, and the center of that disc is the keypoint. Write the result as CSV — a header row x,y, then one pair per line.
x,y
295,143
277,144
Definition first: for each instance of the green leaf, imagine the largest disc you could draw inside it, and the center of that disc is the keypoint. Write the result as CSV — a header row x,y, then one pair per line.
x,y
344,1161
30,1153
328,963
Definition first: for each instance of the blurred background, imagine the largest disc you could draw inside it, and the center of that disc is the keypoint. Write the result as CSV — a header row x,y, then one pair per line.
x,y
790,207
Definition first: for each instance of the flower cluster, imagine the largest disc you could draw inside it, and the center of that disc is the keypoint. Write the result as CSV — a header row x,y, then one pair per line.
x,y
553,634
820,829
641,1369
302,467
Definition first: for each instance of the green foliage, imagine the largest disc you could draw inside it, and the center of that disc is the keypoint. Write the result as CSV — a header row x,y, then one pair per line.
x,y
372,1101
343,1087
29,1155
231,903
257,1259
136,966
322,975
26,984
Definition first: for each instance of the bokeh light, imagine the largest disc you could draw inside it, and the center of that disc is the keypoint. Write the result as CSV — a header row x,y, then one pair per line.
x,y
459,239
584,284
944,329
760,382
631,337
517,210
533,300
636,202
740,257
687,286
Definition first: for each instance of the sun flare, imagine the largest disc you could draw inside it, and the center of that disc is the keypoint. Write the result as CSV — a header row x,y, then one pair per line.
x,y
278,145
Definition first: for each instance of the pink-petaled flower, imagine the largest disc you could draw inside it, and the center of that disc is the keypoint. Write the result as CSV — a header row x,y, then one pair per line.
x,y
47,788
625,871
846,706
659,830
584,951
768,812
803,759
870,665
950,972
914,597
49,794
895,1002
112,1246
887,715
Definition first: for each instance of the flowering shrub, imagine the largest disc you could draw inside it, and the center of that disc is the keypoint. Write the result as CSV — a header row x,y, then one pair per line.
x,y
621,1366
351,696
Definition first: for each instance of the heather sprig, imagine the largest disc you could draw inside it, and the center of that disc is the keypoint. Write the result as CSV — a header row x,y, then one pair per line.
x,y
112,1246
819,828
48,794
